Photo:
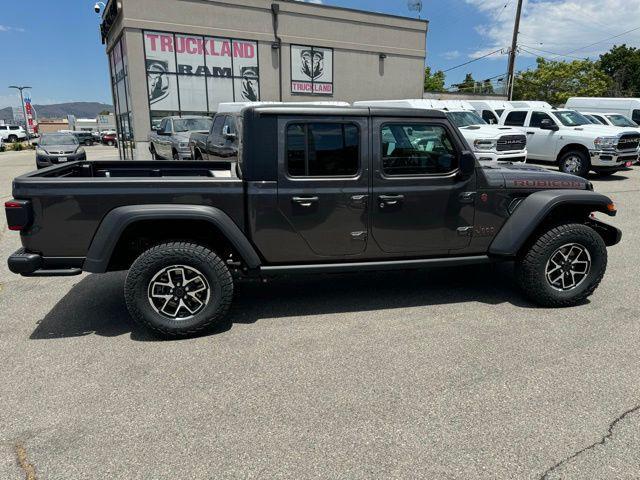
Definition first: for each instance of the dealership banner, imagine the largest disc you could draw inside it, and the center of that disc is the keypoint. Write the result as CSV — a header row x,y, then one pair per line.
x,y
311,70
196,73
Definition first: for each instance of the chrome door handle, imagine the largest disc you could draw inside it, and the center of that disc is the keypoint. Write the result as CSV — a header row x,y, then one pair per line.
x,y
305,201
390,199
531,133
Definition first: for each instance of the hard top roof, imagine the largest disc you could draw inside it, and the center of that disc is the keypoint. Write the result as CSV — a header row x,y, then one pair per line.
x,y
327,110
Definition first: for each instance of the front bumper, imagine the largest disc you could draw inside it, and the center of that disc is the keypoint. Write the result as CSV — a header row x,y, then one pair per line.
x,y
43,161
613,159
184,153
34,265
493,156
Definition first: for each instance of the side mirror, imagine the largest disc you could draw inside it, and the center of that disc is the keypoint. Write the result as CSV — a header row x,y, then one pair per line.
x,y
547,124
467,164
226,133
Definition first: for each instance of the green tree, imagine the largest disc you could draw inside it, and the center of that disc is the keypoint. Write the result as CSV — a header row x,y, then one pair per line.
x,y
104,112
487,87
555,82
435,82
622,64
468,85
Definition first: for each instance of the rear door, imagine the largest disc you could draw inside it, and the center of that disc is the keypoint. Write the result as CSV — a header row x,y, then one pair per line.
x,y
421,206
323,186
214,139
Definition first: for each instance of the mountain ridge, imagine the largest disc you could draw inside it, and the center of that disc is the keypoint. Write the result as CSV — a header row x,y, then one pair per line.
x,y
61,110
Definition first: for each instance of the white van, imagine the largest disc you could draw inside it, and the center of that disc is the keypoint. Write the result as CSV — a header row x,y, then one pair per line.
x,y
629,107
488,142
490,110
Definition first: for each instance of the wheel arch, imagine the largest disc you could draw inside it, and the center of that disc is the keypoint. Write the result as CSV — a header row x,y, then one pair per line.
x,y
205,224
544,208
570,147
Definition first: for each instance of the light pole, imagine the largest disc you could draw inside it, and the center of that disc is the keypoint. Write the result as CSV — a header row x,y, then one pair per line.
x,y
24,111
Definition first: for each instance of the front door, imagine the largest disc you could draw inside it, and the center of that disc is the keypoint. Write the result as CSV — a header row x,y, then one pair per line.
x,y
323,182
540,143
421,206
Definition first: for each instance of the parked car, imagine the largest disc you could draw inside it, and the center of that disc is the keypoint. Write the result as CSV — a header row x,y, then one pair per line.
x,y
612,119
84,138
171,139
109,138
537,104
629,107
488,142
306,200
12,133
568,139
54,148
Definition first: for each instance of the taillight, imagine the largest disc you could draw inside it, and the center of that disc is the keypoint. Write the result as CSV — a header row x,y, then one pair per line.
x,y
18,214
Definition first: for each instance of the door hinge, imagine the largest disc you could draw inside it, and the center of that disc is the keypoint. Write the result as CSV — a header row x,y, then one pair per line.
x,y
467,197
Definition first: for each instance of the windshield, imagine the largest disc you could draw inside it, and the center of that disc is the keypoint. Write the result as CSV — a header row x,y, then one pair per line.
x,y
621,121
464,119
571,118
188,124
592,119
62,139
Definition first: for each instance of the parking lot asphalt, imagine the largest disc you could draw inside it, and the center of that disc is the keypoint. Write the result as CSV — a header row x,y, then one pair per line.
x,y
447,374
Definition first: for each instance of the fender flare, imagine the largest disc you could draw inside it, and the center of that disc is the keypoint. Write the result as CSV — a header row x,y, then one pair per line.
x,y
117,220
535,209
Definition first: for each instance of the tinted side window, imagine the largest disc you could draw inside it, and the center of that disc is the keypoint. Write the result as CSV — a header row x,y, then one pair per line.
x,y
162,125
489,117
231,123
323,149
600,119
416,149
515,119
537,117
216,129
635,116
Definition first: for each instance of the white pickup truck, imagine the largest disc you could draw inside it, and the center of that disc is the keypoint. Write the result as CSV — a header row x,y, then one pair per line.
x,y
489,143
568,139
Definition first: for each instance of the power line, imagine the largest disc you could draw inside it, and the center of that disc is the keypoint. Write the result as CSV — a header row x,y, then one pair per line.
x,y
473,60
546,51
600,41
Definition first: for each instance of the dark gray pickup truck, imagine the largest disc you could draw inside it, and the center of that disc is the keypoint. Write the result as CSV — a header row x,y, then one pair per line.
x,y
315,189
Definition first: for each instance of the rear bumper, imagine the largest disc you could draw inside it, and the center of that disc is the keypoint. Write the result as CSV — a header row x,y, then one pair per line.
x,y
34,265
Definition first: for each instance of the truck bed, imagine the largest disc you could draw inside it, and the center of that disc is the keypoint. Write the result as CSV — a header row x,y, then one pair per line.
x,y
78,195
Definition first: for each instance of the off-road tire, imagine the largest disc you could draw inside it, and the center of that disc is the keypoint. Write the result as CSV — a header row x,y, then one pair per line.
x,y
175,155
12,138
585,163
154,260
531,265
154,154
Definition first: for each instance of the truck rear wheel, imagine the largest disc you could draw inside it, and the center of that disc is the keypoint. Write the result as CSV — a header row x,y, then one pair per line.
x,y
178,289
563,266
575,162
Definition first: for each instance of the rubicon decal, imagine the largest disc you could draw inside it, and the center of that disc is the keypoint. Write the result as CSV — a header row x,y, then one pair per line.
x,y
568,184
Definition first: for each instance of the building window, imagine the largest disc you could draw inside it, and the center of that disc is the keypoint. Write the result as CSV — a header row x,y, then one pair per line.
x,y
323,149
311,70
119,69
416,149
193,73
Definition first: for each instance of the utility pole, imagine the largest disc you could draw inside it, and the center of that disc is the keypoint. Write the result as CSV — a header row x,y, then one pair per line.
x,y
24,111
512,52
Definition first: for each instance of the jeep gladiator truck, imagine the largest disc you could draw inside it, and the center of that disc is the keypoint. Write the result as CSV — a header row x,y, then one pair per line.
x,y
571,141
316,189
171,139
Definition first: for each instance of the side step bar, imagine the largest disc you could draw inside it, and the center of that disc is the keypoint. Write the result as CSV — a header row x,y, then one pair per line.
x,y
369,266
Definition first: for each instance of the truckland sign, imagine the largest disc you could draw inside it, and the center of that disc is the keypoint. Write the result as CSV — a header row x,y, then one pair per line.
x,y
311,70
194,73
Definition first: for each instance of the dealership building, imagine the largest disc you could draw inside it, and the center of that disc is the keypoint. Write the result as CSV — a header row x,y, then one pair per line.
x,y
169,57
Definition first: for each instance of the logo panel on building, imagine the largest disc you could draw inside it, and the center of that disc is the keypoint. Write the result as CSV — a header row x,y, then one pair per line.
x,y
195,73
311,70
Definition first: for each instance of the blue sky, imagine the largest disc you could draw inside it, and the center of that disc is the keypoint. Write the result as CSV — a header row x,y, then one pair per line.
x,y
55,45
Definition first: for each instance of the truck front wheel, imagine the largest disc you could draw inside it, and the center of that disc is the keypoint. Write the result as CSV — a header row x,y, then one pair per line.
x,y
563,266
575,162
178,289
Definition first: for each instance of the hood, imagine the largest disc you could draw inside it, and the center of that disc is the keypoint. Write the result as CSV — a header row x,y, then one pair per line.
x,y
523,176
604,130
488,131
59,148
